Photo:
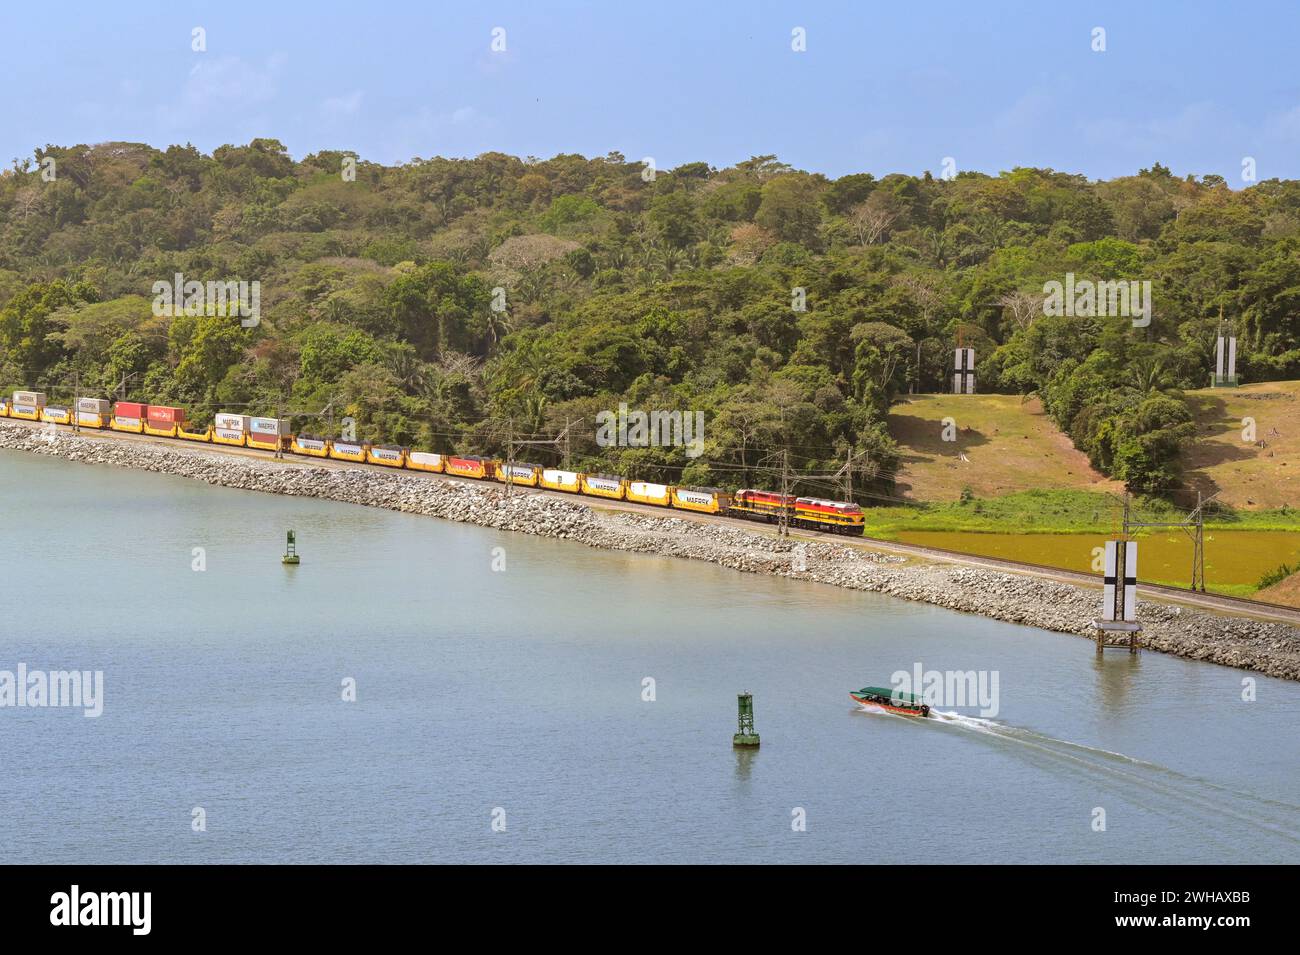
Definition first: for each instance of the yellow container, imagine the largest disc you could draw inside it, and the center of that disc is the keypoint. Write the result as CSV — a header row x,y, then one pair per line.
x,y
26,414
386,457
129,425
425,461
224,436
347,451
87,420
167,432
568,481
524,475
706,500
312,447
644,492
604,485
56,416
4,409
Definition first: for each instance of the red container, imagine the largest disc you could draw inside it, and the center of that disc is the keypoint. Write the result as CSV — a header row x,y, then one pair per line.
x,y
166,416
129,409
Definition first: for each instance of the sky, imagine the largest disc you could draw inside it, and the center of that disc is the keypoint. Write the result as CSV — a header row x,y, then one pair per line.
x,y
880,87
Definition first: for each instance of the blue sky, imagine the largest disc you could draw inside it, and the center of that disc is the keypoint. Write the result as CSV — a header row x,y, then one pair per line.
x,y
882,87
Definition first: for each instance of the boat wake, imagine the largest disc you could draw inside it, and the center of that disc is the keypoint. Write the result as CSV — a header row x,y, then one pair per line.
x,y
1151,786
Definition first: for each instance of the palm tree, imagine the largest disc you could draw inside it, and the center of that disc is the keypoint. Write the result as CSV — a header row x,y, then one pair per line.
x,y
1149,374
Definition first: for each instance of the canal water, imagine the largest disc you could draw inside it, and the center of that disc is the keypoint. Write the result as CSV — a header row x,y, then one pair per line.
x,y
519,696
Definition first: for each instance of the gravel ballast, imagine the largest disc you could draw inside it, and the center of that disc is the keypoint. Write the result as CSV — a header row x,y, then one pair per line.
x,y
1269,648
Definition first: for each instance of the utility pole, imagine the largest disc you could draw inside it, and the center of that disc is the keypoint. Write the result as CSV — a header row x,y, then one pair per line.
x,y
783,527
1193,525
76,397
510,457
560,441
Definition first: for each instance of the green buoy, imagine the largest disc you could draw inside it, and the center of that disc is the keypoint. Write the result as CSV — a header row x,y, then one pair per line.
x,y
745,721
290,550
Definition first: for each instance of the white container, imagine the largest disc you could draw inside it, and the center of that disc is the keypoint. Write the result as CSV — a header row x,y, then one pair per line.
x,y
427,458
127,422
311,444
94,406
29,399
228,434
231,422
604,483
276,427
562,478
645,489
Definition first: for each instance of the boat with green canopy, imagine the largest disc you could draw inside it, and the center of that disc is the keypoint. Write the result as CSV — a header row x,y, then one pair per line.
x,y
909,704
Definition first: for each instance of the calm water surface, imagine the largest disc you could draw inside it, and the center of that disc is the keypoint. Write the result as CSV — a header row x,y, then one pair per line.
x,y
522,690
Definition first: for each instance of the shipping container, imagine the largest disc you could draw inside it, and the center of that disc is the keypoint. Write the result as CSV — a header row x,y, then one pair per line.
x,y
130,409
424,461
56,415
471,466
347,451
604,485
310,445
272,426
527,475
706,500
204,435
231,422
125,423
4,408
30,399
233,436
159,428
644,492
388,455
25,412
99,406
162,415
87,419
267,441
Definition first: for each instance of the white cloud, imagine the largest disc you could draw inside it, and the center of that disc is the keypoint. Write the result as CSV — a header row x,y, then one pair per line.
x,y
224,84
337,106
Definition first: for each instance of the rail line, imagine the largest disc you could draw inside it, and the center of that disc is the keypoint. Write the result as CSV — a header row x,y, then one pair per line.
x,y
1223,603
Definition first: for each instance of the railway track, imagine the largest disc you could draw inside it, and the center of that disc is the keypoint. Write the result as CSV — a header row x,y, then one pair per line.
x,y
1220,603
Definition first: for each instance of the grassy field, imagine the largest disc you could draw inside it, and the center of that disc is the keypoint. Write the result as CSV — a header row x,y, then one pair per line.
x,y
1002,444
1241,473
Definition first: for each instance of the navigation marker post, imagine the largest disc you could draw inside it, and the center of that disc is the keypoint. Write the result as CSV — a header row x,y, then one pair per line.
x,y
963,371
745,735
1118,626
290,549
1225,357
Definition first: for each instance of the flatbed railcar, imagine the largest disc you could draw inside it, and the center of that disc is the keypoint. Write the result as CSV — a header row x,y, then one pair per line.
x,y
818,514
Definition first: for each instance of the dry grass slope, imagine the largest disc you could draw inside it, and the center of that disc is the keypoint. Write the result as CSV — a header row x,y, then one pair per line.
x,y
1246,475
1003,444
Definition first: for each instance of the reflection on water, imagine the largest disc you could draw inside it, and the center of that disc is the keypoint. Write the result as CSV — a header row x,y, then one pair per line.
x,y
523,690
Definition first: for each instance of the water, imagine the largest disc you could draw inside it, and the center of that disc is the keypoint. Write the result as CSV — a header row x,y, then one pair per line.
x,y
522,690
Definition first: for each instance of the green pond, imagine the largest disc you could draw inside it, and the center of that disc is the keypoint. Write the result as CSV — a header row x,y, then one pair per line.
x,y
1234,560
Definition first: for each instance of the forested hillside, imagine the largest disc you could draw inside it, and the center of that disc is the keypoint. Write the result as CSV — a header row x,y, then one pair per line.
x,y
790,308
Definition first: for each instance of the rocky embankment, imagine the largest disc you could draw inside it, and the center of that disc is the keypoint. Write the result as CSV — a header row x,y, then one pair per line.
x,y
1269,648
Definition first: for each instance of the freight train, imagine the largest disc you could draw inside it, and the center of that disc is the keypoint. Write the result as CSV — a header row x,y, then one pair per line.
x,y
273,434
